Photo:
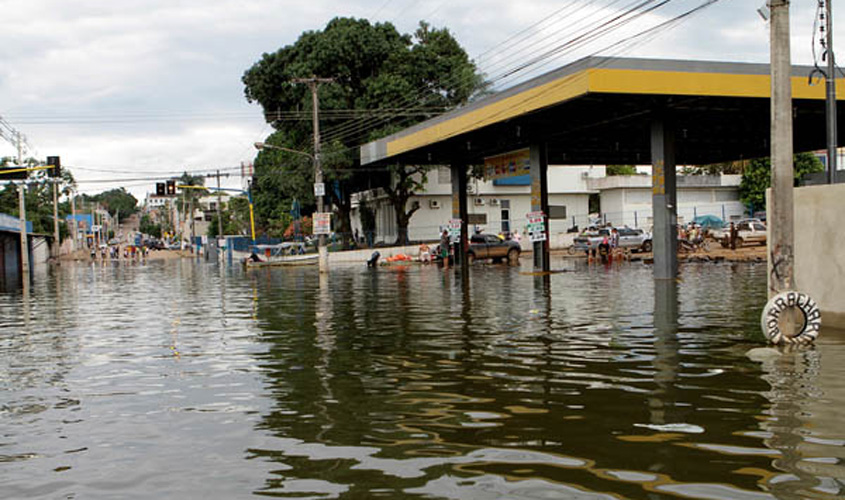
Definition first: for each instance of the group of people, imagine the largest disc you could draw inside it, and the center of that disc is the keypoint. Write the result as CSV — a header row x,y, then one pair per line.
x,y
607,250
112,252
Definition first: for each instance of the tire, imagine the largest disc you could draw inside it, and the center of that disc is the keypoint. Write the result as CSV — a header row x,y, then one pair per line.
x,y
647,246
572,250
726,243
513,256
769,320
470,258
739,242
705,245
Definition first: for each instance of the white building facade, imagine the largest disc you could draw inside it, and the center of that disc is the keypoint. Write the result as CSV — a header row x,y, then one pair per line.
x,y
626,199
494,206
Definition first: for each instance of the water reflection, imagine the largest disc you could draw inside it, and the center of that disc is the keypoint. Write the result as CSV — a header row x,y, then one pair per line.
x,y
182,379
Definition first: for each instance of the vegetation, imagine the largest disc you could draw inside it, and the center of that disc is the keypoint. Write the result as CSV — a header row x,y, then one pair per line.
x,y
235,215
373,67
38,198
621,170
757,175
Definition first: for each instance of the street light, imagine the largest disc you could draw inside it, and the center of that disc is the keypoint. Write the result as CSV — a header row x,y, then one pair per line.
x,y
319,190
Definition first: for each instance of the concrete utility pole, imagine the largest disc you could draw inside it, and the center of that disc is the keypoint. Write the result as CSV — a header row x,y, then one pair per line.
x,y
56,247
73,234
781,216
831,97
24,238
313,84
219,202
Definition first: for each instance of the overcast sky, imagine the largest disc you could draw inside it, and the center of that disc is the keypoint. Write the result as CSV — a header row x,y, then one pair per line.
x,y
135,89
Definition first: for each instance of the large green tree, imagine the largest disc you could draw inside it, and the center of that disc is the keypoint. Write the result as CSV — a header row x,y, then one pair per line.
x,y
375,70
118,202
757,177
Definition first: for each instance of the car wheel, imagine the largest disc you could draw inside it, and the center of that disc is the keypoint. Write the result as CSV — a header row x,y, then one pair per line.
x,y
739,242
646,246
471,258
513,256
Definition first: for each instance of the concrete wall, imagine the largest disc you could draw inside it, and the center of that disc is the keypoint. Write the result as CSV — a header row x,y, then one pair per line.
x,y
820,249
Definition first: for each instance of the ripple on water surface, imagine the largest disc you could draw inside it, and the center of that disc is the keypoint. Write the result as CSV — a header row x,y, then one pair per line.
x,y
181,379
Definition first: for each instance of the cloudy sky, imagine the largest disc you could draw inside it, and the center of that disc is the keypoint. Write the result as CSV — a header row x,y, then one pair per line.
x,y
138,89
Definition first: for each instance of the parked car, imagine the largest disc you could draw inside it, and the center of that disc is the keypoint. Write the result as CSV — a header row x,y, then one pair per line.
x,y
634,239
490,246
748,231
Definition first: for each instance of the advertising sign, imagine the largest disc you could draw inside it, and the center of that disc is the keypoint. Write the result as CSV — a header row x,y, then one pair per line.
x,y
510,164
455,230
322,223
536,226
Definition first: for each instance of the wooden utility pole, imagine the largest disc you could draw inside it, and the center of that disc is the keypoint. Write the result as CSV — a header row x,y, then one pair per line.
x,y
313,84
781,216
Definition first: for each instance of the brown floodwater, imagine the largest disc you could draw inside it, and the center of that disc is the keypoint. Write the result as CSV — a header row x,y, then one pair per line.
x,y
181,379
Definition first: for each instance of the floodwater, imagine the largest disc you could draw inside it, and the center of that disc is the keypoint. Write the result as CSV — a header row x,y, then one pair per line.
x,y
179,379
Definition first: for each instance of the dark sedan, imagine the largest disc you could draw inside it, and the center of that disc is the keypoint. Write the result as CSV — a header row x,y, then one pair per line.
x,y
490,246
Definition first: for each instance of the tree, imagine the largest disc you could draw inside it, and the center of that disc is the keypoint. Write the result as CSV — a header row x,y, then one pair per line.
x,y
406,182
724,168
621,170
757,176
118,202
373,67
148,227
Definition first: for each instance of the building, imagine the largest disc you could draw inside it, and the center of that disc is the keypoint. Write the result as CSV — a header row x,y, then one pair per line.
x,y
502,205
495,206
626,200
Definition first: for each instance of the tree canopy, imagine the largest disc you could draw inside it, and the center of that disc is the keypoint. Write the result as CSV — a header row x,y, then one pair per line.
x,y
757,177
382,80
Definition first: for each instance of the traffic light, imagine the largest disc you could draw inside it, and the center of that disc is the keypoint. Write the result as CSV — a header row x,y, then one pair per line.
x,y
56,163
15,176
160,189
171,187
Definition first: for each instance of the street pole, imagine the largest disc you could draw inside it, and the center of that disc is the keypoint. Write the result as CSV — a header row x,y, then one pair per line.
x,y
831,98
73,233
24,238
313,84
781,218
57,246
219,201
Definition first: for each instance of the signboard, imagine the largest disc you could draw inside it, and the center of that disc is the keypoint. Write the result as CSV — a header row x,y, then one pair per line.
x,y
536,226
319,189
510,164
557,212
455,230
477,219
322,223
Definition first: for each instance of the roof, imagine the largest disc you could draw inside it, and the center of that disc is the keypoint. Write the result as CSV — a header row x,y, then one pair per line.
x,y
598,111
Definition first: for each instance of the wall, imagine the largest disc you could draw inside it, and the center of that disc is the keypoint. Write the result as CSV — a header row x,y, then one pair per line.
x,y
820,249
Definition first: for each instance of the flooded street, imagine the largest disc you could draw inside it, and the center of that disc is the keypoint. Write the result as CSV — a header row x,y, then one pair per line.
x,y
180,379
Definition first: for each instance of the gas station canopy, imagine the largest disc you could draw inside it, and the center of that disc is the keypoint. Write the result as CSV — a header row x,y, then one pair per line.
x,y
600,110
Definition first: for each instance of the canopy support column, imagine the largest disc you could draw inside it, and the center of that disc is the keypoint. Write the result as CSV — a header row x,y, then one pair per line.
x,y
664,199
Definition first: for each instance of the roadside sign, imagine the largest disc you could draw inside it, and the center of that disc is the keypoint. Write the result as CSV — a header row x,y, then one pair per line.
x,y
319,189
322,223
536,226
455,230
